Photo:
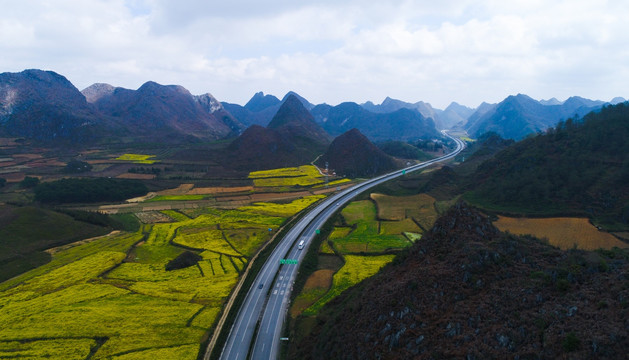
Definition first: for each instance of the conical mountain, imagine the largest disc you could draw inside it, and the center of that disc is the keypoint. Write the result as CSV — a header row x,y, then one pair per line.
x,y
293,119
291,139
353,155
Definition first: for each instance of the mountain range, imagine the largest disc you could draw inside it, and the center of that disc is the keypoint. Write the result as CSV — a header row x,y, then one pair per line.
x,y
45,106
519,115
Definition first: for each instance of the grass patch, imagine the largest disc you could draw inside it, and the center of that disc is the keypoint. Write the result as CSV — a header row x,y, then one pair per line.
x,y
356,269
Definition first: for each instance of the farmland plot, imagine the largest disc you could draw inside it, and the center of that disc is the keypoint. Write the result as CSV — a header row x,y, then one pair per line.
x,y
356,269
113,298
564,233
307,175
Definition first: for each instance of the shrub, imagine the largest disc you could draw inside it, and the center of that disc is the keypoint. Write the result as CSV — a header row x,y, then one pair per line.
x,y
184,260
29,182
571,342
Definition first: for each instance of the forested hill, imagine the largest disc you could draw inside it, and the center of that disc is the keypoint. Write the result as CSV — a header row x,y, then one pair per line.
x,y
581,166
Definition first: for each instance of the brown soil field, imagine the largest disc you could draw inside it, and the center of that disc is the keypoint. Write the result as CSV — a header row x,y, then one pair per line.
x,y
398,208
180,190
331,189
319,282
27,157
320,279
563,233
13,177
104,161
136,176
7,163
8,142
219,190
151,217
45,162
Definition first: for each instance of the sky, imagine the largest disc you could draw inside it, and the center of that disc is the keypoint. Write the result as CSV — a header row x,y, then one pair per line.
x,y
329,51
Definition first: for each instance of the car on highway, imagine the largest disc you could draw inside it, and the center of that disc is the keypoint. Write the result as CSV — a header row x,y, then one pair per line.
x,y
260,286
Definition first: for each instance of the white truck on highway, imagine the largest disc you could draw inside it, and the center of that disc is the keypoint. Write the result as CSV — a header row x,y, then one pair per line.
x,y
301,244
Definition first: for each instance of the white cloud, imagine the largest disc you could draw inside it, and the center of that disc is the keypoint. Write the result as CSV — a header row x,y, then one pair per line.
x,y
329,51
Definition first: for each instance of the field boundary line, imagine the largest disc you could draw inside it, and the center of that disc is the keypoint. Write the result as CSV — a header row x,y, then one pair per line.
x,y
232,298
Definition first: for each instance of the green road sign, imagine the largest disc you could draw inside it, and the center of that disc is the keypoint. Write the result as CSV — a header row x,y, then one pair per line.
x,y
318,231
289,261
403,172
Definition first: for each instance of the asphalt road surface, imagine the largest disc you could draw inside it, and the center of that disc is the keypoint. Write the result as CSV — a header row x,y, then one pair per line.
x,y
266,304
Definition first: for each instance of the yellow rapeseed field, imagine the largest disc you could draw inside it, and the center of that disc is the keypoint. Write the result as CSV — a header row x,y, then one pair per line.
x,y
137,158
564,233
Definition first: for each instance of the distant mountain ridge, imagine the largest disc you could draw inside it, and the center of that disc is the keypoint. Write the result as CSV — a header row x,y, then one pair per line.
x,y
403,124
164,111
444,119
261,108
45,106
519,115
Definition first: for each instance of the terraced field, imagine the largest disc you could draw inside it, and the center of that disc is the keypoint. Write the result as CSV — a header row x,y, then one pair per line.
x,y
112,298
375,228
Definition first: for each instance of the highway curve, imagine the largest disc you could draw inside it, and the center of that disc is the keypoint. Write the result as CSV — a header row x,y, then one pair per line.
x,y
266,303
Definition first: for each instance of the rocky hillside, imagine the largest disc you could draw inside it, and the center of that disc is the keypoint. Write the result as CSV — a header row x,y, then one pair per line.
x,y
164,112
353,155
467,291
45,106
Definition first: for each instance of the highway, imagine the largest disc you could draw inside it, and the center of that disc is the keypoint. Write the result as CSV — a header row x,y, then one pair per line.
x,y
266,303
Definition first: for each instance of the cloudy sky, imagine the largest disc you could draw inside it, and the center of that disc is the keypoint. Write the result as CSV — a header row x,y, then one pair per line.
x,y
329,51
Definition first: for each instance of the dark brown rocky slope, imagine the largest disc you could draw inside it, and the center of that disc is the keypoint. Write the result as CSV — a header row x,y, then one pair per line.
x,y
467,291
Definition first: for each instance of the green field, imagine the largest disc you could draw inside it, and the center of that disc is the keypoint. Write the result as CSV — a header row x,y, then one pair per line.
x,y
356,269
365,236
111,298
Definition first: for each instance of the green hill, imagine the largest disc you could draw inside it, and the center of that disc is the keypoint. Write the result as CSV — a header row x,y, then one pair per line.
x,y
580,167
25,232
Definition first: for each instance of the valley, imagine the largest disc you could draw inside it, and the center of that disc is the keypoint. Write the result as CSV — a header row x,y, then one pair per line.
x,y
137,223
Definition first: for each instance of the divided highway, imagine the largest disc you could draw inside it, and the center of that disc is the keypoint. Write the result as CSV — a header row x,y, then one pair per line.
x,y
266,303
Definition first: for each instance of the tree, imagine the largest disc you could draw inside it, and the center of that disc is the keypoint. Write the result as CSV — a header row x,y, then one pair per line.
x,y
76,166
29,182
